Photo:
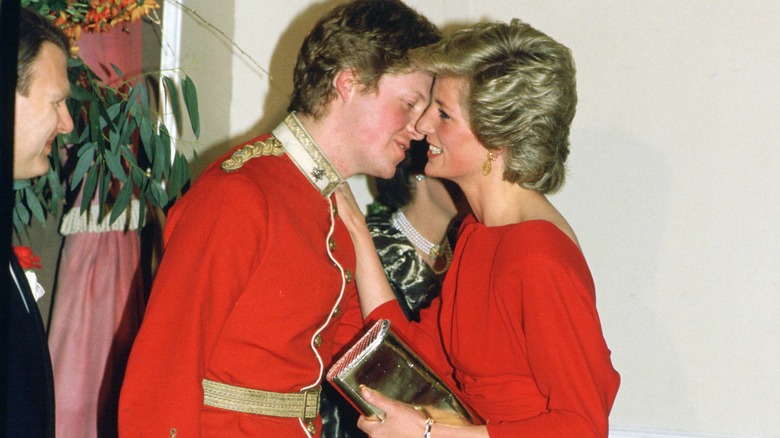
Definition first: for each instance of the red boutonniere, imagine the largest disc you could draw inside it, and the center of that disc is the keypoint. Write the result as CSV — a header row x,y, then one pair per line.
x,y
27,258
30,261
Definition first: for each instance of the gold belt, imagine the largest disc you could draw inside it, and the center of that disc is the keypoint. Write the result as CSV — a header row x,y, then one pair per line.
x,y
304,404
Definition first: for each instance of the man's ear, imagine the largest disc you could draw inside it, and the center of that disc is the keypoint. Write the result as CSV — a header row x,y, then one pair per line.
x,y
346,83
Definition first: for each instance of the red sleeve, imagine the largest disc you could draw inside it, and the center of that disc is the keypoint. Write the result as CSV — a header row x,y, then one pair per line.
x,y
213,237
567,354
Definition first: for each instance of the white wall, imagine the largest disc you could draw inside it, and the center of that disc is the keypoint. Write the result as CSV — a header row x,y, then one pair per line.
x,y
672,186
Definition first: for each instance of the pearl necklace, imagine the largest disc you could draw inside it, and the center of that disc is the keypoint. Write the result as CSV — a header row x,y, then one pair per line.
x,y
400,221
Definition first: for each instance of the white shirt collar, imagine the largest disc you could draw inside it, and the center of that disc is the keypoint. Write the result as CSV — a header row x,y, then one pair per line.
x,y
307,155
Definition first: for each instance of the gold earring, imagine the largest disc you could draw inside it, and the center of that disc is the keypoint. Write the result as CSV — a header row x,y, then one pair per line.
x,y
487,166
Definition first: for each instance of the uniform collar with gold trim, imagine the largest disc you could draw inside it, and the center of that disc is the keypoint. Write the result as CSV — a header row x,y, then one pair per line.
x,y
305,153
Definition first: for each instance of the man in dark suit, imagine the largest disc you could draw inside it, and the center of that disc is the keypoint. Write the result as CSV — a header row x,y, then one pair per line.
x,y
40,114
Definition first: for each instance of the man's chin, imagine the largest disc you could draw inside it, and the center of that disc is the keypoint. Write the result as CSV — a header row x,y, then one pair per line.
x,y
387,173
42,168
30,173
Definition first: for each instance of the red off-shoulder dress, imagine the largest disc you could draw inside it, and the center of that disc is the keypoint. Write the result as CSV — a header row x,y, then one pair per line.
x,y
516,328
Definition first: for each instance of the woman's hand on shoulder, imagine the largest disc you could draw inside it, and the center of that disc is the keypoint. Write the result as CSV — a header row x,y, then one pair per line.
x,y
372,285
349,211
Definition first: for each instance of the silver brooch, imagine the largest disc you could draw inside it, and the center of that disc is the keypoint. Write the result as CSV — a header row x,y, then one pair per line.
x,y
317,173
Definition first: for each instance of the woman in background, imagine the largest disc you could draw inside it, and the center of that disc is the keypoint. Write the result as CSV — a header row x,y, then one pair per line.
x,y
516,327
412,222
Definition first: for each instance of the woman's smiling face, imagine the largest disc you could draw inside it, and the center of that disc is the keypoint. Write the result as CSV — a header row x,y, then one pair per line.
x,y
455,153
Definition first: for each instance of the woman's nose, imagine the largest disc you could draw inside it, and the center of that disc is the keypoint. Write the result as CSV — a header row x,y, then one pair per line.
x,y
423,125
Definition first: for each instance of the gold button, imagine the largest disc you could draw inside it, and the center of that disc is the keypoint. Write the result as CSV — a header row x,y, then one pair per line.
x,y
335,209
311,428
332,243
337,311
317,341
348,275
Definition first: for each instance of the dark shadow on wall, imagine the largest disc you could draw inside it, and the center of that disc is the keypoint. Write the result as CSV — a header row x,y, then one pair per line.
x,y
283,62
280,81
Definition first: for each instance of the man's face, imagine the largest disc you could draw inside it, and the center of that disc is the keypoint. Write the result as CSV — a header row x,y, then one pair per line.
x,y
383,120
42,114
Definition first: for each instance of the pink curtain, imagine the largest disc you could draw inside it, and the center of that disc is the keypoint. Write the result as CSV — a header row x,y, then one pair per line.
x,y
99,296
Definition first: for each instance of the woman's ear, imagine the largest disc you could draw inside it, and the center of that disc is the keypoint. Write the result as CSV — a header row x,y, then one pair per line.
x,y
345,83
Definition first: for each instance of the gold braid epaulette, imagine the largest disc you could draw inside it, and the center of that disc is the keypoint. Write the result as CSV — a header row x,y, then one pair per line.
x,y
271,146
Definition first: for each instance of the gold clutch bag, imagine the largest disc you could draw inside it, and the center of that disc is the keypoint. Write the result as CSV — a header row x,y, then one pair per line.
x,y
384,363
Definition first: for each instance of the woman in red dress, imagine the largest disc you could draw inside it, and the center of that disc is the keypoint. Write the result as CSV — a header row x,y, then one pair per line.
x,y
516,328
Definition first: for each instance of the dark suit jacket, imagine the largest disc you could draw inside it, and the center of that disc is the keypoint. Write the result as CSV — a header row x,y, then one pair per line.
x,y
26,382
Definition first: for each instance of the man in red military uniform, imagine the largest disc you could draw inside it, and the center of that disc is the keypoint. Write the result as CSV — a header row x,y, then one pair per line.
x,y
254,295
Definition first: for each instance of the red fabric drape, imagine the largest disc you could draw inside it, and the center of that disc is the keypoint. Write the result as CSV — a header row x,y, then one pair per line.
x,y
99,298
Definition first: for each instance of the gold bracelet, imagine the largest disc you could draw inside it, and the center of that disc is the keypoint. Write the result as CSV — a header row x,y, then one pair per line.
x,y
428,425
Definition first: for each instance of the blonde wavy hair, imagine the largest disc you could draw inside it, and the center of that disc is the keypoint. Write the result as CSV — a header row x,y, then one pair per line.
x,y
521,95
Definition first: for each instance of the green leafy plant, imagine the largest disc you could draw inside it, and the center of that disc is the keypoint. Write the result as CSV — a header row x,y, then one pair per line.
x,y
118,146
118,149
